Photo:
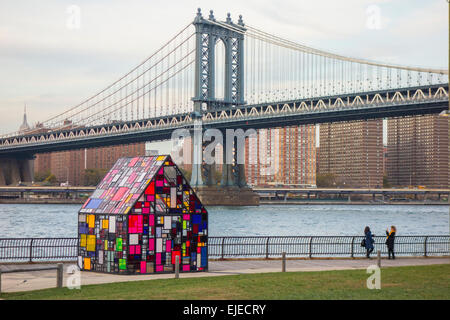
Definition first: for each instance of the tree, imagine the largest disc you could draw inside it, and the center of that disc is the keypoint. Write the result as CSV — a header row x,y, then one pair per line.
x,y
92,177
51,179
41,176
325,180
386,183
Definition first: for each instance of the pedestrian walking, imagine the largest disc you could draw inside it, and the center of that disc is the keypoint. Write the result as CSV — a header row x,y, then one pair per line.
x,y
390,238
368,241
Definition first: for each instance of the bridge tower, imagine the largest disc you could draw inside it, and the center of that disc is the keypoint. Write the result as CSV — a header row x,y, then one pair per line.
x,y
208,33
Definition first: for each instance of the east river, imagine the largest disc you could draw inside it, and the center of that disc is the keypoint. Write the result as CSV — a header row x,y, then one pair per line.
x,y
26,221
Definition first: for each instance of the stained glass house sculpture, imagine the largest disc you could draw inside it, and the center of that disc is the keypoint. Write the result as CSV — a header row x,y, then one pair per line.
x,y
141,216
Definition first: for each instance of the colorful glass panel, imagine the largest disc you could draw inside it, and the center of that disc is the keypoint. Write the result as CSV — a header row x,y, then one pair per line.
x,y
140,218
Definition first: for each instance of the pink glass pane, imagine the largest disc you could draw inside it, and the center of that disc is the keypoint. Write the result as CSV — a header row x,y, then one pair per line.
x,y
151,220
151,244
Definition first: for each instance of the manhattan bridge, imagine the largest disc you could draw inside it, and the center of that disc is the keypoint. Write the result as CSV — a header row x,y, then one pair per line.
x,y
227,75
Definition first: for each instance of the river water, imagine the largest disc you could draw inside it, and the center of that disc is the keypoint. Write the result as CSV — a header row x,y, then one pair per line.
x,y
25,220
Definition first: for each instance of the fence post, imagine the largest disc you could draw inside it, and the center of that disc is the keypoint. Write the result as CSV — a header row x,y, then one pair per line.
x,y
31,250
223,245
425,247
267,248
310,246
351,249
59,275
177,267
379,258
283,261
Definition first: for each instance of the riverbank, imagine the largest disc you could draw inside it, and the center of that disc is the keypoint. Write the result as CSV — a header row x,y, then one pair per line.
x,y
262,202
321,202
42,201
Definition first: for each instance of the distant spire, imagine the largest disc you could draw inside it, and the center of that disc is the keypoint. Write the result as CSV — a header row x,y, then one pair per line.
x,y
24,126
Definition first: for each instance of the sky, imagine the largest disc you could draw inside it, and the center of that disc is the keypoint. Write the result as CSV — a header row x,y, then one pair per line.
x,y
56,53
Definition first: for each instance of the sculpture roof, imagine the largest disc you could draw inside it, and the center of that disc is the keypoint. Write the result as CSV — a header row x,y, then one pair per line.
x,y
123,185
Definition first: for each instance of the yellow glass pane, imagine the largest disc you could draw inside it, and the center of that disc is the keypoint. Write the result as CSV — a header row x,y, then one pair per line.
x,y
106,244
128,198
160,158
91,220
82,240
105,224
90,242
87,263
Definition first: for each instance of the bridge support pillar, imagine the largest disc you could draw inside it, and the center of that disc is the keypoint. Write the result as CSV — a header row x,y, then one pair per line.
x,y
241,173
2,176
233,189
15,170
197,152
210,174
227,168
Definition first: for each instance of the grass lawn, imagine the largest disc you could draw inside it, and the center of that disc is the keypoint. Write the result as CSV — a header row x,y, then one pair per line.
x,y
413,282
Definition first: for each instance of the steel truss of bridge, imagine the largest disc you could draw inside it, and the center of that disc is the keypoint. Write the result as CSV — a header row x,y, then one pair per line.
x,y
366,105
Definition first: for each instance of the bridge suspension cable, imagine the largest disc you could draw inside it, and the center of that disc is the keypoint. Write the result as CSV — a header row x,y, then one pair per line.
x,y
278,69
159,85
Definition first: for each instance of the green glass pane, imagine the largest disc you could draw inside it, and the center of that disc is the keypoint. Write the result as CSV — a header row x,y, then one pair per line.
x,y
119,244
122,264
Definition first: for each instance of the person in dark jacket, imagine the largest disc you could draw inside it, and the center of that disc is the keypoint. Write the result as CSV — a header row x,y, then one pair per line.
x,y
368,241
390,238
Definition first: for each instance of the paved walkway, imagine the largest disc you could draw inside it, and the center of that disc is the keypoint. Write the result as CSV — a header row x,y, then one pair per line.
x,y
25,281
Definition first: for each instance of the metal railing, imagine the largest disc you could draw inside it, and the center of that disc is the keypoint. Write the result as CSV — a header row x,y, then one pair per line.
x,y
38,249
60,249
322,246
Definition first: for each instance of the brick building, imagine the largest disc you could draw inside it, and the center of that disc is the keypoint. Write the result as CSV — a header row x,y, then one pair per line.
x,y
353,152
418,151
282,156
71,165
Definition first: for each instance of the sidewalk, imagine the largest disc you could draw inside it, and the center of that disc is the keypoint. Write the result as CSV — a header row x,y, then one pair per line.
x,y
25,281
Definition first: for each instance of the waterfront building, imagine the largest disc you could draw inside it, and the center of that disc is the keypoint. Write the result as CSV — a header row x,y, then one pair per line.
x,y
285,156
69,166
143,215
418,151
353,152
